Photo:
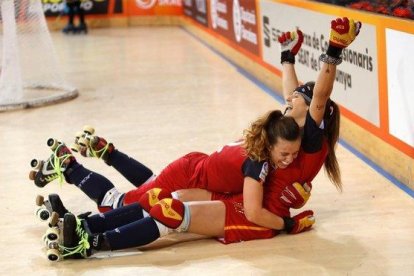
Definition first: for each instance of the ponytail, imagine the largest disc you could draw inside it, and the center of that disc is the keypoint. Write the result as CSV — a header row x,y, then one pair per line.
x,y
332,124
265,132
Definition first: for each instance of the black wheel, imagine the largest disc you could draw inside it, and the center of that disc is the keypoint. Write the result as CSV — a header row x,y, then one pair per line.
x,y
34,163
43,214
53,255
52,143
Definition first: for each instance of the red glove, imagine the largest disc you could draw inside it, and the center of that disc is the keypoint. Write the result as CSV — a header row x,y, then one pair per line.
x,y
291,41
300,223
343,32
295,195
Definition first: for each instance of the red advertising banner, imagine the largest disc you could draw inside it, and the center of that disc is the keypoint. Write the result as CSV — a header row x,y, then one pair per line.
x,y
154,7
237,21
197,10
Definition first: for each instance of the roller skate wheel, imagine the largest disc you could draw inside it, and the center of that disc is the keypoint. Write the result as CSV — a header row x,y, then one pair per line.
x,y
83,142
40,200
32,175
35,163
54,219
43,214
52,143
88,130
53,255
75,147
52,234
78,135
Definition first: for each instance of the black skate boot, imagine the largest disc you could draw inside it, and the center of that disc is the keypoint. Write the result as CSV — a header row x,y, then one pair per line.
x,y
81,29
69,28
54,167
89,145
78,241
47,207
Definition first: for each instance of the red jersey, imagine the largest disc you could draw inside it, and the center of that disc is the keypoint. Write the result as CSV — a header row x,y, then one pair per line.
x,y
224,170
238,228
303,169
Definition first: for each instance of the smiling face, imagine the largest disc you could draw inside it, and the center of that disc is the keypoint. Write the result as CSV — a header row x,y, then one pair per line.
x,y
284,152
297,106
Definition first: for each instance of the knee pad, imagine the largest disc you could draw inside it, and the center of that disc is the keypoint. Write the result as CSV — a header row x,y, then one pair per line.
x,y
151,197
169,212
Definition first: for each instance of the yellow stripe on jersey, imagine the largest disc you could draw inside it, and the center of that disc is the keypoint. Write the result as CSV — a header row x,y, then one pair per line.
x,y
243,227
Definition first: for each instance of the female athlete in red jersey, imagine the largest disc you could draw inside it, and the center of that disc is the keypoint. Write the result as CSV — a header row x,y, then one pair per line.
x,y
229,215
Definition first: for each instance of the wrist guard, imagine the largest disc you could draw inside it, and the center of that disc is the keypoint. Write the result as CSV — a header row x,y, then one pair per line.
x,y
334,52
287,57
289,224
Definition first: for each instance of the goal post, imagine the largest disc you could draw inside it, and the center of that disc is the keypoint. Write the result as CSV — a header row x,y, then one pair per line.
x,y
30,75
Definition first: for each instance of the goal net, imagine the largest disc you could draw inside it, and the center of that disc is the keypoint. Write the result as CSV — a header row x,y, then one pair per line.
x,y
29,73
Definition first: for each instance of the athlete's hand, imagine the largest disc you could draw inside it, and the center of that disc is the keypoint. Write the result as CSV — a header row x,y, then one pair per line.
x,y
296,195
291,41
300,223
343,32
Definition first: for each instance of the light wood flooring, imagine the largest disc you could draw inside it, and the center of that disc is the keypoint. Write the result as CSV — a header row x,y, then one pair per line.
x,y
158,93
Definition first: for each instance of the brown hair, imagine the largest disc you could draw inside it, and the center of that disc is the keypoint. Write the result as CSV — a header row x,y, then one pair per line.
x,y
265,132
332,124
331,118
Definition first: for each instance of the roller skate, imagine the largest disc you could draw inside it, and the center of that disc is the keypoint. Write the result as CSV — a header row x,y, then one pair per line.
x,y
81,29
89,145
77,241
69,28
53,168
63,240
82,139
47,207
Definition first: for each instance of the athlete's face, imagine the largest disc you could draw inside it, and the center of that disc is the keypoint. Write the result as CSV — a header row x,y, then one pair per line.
x,y
284,152
297,106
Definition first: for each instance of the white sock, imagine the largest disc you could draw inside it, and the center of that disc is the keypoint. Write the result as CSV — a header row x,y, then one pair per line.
x,y
186,221
164,230
112,198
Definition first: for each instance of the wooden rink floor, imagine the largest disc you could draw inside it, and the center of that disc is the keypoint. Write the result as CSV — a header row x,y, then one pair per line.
x,y
158,93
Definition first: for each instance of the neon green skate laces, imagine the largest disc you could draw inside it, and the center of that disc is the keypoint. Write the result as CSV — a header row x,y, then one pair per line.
x,y
82,246
57,165
101,152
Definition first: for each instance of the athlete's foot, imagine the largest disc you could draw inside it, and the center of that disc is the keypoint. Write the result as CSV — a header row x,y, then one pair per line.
x,y
48,206
53,168
100,148
75,238
67,239
69,28
78,241
81,28
90,145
